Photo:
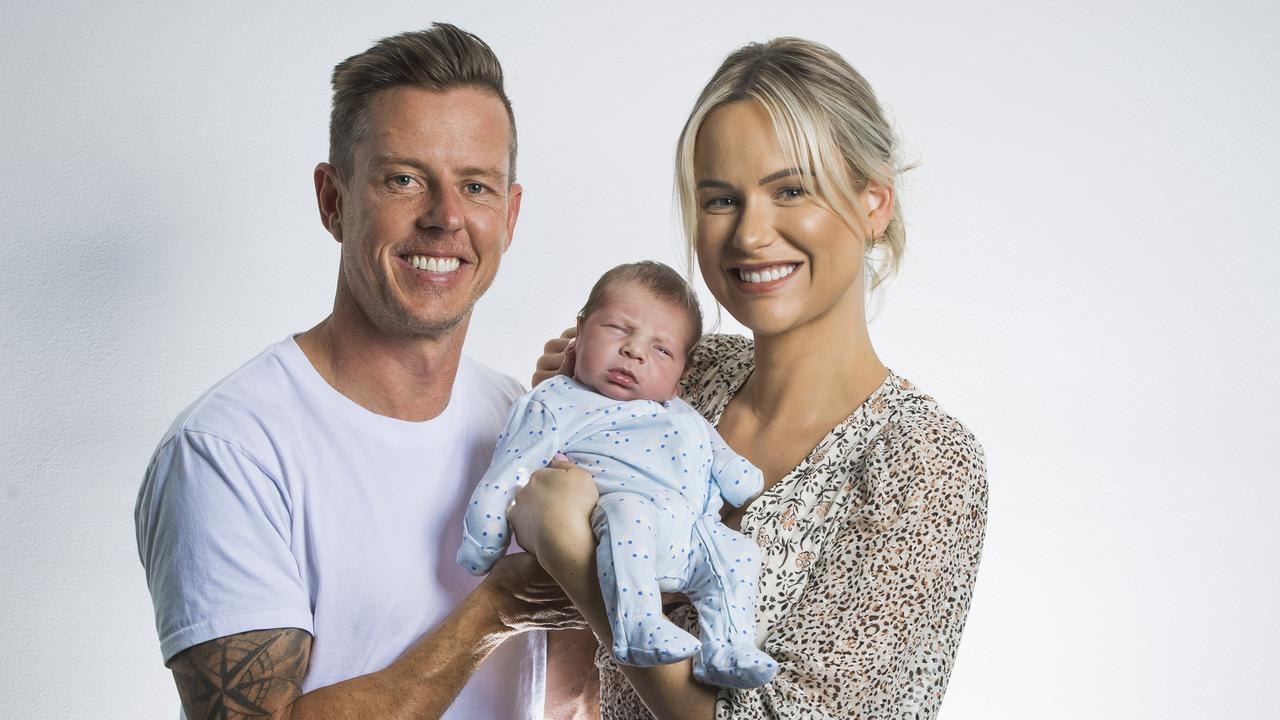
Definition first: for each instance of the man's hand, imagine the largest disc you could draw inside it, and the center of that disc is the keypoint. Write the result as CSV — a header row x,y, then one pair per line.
x,y
557,357
528,598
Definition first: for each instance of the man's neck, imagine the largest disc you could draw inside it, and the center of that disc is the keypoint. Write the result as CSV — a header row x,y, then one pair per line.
x,y
407,378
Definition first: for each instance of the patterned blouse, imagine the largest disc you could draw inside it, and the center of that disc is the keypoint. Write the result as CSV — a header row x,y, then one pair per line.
x,y
871,548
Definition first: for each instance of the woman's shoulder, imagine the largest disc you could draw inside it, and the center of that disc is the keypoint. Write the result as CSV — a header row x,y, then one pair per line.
x,y
716,365
921,460
715,350
919,429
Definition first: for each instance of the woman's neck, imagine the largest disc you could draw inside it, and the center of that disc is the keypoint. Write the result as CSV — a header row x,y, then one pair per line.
x,y
823,368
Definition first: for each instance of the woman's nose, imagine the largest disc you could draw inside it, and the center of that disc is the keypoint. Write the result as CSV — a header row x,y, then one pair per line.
x,y
754,229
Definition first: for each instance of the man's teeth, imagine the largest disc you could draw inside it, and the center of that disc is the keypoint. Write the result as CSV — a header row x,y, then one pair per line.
x,y
776,272
434,264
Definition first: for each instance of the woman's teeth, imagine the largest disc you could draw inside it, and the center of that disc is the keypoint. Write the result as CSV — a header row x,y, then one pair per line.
x,y
434,264
776,272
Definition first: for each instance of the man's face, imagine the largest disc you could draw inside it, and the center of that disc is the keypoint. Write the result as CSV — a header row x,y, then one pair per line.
x,y
426,213
633,346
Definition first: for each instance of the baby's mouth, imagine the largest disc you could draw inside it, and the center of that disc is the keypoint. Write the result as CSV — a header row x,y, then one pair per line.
x,y
622,376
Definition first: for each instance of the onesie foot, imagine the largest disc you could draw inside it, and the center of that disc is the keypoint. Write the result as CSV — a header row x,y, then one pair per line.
x,y
654,641
738,666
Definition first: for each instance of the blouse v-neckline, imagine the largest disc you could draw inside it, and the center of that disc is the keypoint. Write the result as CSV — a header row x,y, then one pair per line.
x,y
812,457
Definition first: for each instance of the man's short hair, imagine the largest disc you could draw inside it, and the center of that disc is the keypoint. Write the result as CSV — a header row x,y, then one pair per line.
x,y
662,281
438,59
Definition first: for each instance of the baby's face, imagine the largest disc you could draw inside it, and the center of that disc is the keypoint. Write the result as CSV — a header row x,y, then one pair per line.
x,y
633,346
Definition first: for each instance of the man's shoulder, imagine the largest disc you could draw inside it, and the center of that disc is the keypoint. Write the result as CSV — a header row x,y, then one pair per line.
x,y
487,394
485,384
243,399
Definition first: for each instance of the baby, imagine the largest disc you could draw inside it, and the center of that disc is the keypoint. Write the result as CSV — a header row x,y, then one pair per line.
x,y
662,472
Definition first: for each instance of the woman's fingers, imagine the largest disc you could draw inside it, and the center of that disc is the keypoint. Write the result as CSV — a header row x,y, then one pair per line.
x,y
554,355
554,506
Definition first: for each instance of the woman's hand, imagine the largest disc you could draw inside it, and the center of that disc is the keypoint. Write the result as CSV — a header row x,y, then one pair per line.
x,y
551,516
557,357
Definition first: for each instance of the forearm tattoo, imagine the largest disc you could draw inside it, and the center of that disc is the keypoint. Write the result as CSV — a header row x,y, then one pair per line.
x,y
249,675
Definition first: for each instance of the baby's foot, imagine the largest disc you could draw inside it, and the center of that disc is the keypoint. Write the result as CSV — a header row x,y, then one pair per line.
x,y
654,640
739,666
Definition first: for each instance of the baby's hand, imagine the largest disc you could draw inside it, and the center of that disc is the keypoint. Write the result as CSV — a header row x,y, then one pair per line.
x,y
557,357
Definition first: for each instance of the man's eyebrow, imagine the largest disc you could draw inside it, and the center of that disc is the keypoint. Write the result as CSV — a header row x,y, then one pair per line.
x,y
488,173
492,174
779,175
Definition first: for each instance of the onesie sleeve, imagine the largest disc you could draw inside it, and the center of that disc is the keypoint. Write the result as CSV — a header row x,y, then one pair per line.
x,y
527,443
875,634
738,479
214,536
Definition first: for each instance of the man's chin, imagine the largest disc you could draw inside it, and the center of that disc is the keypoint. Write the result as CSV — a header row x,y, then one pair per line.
x,y
429,326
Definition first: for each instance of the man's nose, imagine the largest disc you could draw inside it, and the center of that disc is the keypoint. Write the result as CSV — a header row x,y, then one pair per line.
x,y
442,211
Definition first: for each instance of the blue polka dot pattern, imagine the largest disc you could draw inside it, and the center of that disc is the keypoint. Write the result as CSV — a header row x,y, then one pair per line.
x,y
668,500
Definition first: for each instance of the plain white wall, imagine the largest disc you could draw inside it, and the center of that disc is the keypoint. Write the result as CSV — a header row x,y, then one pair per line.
x,y
1091,246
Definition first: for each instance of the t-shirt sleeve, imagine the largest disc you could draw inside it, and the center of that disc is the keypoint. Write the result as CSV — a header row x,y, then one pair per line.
x,y
214,537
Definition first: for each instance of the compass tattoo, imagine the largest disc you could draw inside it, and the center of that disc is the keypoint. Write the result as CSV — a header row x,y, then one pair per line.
x,y
248,675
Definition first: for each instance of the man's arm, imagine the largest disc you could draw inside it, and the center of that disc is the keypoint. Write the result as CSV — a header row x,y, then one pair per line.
x,y
259,674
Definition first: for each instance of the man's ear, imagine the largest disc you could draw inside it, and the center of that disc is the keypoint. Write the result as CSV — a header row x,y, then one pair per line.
x,y
514,195
329,198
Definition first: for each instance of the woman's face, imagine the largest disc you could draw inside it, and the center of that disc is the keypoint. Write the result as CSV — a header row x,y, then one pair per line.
x,y
772,256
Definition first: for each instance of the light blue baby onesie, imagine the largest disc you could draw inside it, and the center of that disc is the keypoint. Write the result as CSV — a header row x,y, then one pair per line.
x,y
662,471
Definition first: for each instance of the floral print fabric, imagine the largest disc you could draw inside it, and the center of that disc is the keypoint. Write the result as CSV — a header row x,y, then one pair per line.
x,y
871,549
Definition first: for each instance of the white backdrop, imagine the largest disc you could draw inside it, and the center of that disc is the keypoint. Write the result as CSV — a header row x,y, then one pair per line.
x,y
1091,236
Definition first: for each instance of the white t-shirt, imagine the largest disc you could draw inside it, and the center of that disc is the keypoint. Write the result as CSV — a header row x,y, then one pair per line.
x,y
276,501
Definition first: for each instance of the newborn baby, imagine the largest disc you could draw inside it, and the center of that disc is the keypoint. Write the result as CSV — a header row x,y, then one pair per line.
x,y
662,472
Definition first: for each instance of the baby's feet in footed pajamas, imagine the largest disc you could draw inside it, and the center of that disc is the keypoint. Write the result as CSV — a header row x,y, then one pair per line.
x,y
654,640
728,665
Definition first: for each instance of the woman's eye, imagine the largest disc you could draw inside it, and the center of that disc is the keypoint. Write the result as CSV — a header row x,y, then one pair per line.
x,y
791,193
720,203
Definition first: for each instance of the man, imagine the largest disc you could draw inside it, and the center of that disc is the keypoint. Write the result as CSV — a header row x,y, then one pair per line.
x,y
298,523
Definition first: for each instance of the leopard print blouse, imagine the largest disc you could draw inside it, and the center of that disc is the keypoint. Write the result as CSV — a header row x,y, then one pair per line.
x,y
871,548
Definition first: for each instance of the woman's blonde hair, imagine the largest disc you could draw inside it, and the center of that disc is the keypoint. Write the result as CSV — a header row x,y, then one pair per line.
x,y
829,124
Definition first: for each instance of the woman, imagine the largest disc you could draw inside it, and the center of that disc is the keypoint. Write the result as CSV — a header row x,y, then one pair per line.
x,y
874,506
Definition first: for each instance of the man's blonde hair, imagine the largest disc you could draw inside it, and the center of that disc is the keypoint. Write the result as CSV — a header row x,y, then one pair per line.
x,y
829,124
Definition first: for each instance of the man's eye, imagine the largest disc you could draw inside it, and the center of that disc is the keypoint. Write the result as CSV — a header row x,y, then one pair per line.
x,y
403,181
474,188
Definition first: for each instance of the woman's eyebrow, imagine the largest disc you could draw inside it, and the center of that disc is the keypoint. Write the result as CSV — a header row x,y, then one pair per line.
x,y
779,175
714,184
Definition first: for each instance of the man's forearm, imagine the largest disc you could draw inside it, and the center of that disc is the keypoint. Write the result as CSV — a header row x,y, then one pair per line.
x,y
424,681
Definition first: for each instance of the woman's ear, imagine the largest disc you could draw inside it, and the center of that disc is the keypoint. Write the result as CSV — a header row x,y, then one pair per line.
x,y
877,202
